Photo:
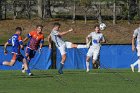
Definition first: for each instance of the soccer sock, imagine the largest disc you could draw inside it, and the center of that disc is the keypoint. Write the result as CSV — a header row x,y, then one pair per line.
x,y
61,66
134,64
138,66
28,71
81,46
87,65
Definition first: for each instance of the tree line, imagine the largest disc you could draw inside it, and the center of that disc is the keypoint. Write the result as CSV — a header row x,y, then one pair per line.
x,y
72,9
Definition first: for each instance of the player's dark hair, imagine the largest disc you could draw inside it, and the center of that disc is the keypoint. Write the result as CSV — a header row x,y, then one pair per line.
x,y
18,29
56,24
96,26
39,26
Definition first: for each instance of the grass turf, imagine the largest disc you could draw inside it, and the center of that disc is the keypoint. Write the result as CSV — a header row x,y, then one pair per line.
x,y
72,81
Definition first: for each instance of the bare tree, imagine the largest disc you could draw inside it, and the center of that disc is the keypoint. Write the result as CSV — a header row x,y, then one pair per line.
x,y
98,11
74,11
39,8
114,12
86,5
48,9
0,9
29,8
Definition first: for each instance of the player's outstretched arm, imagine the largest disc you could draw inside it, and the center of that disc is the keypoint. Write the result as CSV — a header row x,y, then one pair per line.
x,y
49,41
5,48
133,44
88,39
63,33
25,39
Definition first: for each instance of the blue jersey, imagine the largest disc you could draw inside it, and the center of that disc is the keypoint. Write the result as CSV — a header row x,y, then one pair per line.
x,y
16,41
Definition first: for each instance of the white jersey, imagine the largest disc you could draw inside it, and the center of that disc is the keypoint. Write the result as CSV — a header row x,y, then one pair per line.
x,y
96,38
136,34
56,38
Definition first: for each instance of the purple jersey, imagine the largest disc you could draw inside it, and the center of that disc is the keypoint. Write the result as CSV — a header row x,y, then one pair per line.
x,y
16,41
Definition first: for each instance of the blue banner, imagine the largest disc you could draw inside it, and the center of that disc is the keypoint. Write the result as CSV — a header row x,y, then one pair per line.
x,y
76,58
41,61
111,56
117,56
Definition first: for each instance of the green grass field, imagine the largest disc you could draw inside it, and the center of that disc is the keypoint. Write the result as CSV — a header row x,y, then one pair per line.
x,y
72,81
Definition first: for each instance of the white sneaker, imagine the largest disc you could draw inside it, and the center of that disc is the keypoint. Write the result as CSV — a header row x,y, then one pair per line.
x,y
132,67
23,70
30,74
87,70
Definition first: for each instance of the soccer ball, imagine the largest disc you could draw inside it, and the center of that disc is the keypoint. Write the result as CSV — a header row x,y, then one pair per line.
x,y
102,26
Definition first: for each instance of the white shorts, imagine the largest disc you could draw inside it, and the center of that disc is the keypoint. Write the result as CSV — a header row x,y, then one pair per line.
x,y
93,52
62,48
138,51
68,44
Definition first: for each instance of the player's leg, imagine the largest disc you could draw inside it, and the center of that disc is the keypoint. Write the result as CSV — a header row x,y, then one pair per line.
x,y
139,65
134,64
12,62
22,59
89,55
87,63
63,55
71,45
137,62
27,58
95,57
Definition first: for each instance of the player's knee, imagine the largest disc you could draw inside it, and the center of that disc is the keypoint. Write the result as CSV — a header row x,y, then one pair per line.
x,y
87,59
11,63
64,57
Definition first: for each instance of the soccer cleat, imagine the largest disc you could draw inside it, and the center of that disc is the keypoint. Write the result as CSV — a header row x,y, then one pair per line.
x,y
132,67
60,71
87,70
30,74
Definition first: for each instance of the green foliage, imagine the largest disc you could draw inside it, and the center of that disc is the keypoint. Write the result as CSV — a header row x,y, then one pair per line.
x,y
85,2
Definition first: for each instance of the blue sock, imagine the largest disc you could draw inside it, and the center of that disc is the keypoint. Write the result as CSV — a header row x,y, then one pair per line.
x,y
61,67
28,71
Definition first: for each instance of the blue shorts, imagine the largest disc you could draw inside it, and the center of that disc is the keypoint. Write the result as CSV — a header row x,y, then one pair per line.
x,y
18,57
30,52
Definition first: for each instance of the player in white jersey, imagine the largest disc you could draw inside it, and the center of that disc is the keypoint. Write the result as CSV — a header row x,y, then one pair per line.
x,y
56,37
136,36
97,38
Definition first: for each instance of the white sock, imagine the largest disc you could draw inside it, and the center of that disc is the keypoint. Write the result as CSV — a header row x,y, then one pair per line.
x,y
134,64
87,65
81,46
139,66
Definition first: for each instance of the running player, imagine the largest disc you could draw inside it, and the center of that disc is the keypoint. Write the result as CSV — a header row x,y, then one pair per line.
x,y
136,36
17,44
56,37
36,40
97,38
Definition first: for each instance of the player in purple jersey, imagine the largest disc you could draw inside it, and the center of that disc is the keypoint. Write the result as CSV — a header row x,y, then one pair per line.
x,y
17,44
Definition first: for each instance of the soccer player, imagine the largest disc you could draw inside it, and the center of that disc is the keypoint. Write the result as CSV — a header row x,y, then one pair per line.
x,y
17,44
97,38
136,36
36,40
56,37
